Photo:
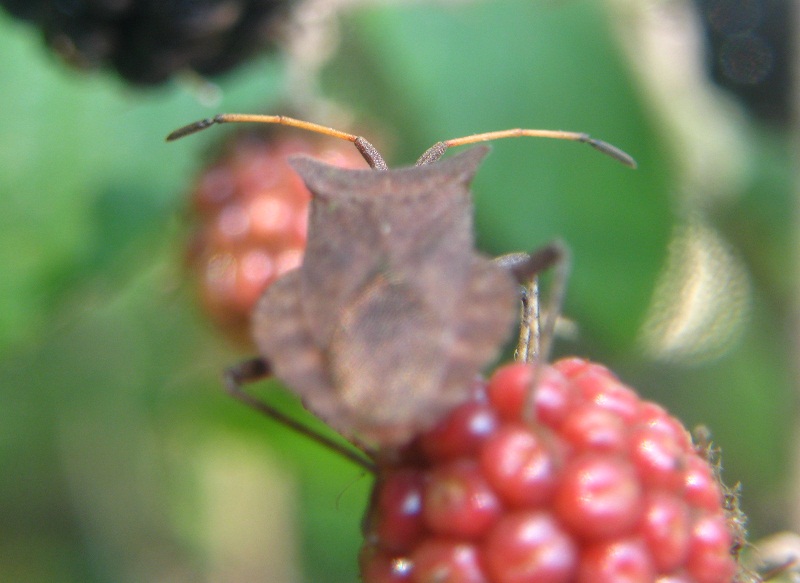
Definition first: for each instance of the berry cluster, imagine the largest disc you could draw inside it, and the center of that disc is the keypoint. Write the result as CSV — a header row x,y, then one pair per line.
x,y
250,212
580,481
148,42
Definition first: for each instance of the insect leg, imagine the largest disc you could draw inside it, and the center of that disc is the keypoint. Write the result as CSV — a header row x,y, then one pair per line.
x,y
535,338
255,369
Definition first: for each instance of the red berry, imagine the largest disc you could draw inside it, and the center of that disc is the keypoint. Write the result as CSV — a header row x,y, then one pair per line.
x,y
520,466
461,432
665,529
249,212
457,501
443,561
508,389
599,496
530,546
598,386
564,475
572,365
679,577
399,510
658,420
553,400
709,550
658,459
617,561
588,427
383,567
700,486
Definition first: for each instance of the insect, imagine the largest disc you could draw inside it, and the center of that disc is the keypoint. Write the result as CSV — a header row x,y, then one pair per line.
x,y
393,312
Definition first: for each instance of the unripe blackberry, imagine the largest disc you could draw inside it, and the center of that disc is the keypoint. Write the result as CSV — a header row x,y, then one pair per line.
x,y
574,480
148,42
249,212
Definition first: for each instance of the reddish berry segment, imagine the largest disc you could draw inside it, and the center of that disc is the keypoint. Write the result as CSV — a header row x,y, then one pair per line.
x,y
709,555
599,497
657,420
600,388
665,529
442,561
508,389
658,458
250,212
617,561
382,567
458,502
520,466
588,427
530,546
700,487
675,578
399,516
461,432
565,476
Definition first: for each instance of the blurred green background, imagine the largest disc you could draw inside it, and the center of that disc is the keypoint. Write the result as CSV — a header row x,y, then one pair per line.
x,y
122,459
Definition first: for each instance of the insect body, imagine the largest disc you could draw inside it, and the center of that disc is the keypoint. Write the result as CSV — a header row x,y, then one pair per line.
x,y
392,313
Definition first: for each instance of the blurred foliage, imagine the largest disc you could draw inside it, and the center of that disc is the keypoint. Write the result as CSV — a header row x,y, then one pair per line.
x,y
122,458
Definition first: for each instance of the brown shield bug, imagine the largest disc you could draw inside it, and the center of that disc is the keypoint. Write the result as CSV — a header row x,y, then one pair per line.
x,y
392,313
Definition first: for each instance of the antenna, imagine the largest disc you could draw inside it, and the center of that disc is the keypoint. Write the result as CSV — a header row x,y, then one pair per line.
x,y
376,161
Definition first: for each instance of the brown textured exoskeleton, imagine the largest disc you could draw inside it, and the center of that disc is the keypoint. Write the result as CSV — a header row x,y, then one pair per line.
x,y
392,314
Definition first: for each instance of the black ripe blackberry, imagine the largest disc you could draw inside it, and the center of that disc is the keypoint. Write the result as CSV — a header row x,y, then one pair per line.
x,y
148,41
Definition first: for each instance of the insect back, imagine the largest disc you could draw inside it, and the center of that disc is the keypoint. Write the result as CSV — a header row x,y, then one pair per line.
x,y
392,313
